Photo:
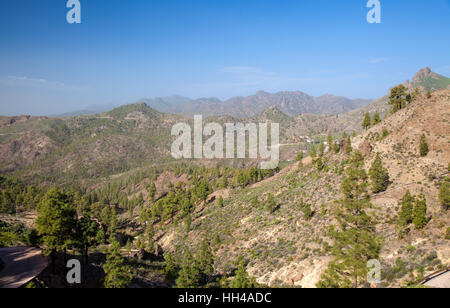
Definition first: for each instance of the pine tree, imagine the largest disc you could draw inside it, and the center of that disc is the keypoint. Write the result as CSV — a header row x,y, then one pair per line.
x,y
56,221
330,140
379,175
113,223
423,146
117,272
319,163
313,152
321,149
336,148
405,216
205,258
128,247
189,275
308,213
366,122
171,268
444,195
187,207
220,202
242,279
224,182
420,218
355,242
271,204
152,191
348,146
397,98
87,231
385,132
100,237
376,119
188,223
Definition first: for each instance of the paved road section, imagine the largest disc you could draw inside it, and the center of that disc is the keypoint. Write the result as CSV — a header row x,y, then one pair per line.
x,y
440,281
21,265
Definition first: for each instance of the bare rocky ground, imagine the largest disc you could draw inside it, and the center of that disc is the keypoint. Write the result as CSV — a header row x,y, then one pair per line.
x,y
20,265
284,249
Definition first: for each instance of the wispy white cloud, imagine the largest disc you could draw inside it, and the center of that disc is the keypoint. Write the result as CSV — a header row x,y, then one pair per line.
x,y
36,83
378,60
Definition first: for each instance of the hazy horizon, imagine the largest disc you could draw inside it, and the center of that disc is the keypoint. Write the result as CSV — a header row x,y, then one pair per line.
x,y
120,53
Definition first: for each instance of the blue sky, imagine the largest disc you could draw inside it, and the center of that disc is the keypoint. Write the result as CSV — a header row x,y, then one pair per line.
x,y
126,50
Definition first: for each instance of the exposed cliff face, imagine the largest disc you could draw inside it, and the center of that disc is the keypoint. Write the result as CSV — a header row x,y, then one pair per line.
x,y
424,73
427,80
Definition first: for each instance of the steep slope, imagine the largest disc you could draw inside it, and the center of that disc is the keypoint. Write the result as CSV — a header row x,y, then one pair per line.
x,y
86,147
426,80
286,248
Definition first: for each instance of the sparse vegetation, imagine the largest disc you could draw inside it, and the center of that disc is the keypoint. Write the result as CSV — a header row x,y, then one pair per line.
x,y
444,194
118,273
420,218
354,239
379,175
398,98
423,147
367,123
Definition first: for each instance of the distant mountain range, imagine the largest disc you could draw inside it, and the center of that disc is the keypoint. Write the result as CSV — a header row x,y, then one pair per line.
x,y
290,103
130,136
86,111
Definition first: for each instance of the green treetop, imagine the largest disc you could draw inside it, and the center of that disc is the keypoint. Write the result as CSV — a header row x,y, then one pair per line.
x,y
117,273
444,195
379,175
355,242
189,275
366,122
423,147
420,218
376,119
242,279
397,98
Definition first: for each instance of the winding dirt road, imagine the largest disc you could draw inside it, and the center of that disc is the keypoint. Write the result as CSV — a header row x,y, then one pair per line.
x,y
21,265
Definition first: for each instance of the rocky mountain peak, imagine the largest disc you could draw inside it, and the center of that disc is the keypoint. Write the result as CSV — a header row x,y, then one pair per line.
x,y
423,74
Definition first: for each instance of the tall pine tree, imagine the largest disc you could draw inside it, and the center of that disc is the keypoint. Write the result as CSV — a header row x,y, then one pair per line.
x,y
355,242
117,273
420,218
423,146
379,175
366,122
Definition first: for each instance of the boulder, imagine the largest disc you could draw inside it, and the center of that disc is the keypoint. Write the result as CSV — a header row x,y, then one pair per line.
x,y
142,255
365,148
159,253
343,145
